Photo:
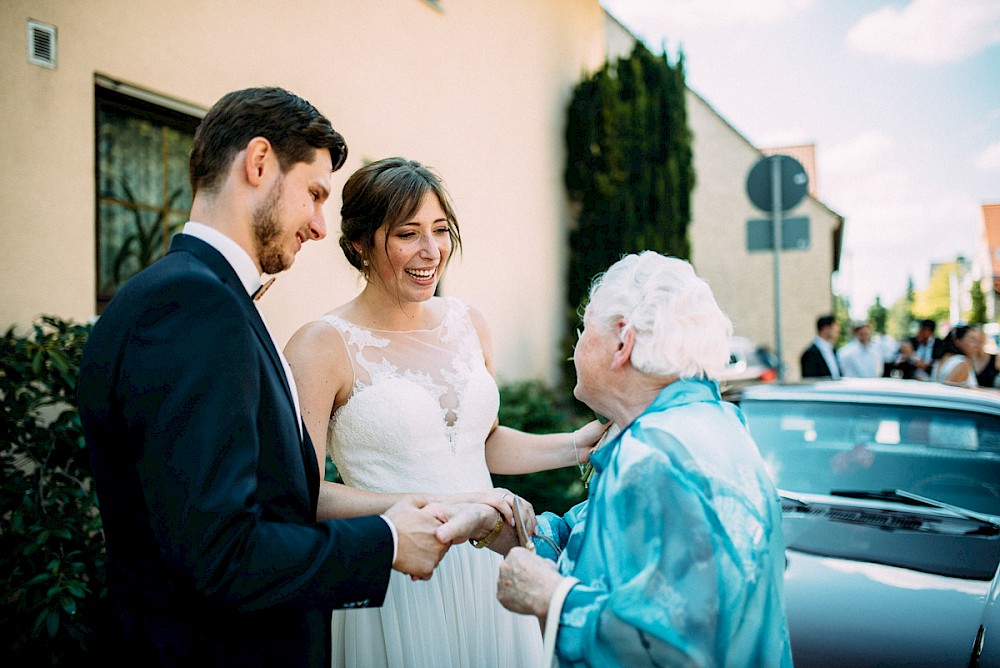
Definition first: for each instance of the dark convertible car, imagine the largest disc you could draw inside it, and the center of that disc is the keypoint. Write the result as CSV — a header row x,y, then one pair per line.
x,y
891,498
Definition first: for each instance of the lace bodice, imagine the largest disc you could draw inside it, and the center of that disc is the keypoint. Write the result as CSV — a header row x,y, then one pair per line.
x,y
420,410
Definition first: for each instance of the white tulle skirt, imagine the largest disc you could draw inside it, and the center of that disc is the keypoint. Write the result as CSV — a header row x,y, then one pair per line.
x,y
454,619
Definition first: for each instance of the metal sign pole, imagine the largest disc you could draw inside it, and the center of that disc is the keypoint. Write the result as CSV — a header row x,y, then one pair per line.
x,y
776,237
775,188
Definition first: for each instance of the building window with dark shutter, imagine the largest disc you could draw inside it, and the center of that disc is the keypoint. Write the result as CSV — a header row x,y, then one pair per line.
x,y
143,194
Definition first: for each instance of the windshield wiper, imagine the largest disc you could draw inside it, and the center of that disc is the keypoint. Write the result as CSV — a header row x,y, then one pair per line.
x,y
792,501
909,498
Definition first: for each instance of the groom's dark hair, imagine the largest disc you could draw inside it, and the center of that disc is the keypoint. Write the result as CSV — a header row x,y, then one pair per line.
x,y
294,127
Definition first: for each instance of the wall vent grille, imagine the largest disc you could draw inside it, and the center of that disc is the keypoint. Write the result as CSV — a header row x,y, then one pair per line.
x,y
42,44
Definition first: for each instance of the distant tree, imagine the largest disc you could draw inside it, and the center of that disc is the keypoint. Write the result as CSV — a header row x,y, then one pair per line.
x,y
898,323
878,315
901,322
629,167
934,302
909,300
977,314
842,312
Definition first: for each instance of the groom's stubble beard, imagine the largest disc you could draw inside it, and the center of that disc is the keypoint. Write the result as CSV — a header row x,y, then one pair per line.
x,y
267,232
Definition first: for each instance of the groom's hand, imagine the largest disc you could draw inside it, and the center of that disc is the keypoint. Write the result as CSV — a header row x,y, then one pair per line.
x,y
418,551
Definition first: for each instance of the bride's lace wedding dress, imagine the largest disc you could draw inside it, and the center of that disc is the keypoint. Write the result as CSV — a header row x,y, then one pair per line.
x,y
417,419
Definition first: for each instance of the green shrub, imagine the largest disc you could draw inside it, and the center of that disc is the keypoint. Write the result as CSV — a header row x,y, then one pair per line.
x,y
51,548
533,407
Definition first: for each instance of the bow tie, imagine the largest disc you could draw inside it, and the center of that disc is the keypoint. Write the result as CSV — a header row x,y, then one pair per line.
x,y
259,292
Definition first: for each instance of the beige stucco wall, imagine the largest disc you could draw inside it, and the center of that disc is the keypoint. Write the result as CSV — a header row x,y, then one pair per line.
x,y
743,282
477,91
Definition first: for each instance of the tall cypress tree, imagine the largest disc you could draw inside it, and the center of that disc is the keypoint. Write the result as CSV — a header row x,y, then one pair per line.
x,y
878,315
977,314
629,165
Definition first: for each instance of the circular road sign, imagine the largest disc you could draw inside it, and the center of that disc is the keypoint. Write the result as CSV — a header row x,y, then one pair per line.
x,y
794,182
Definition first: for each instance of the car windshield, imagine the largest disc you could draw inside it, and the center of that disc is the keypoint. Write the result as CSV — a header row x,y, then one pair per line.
x,y
822,447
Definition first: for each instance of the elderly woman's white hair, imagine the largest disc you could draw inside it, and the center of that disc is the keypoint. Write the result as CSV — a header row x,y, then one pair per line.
x,y
679,328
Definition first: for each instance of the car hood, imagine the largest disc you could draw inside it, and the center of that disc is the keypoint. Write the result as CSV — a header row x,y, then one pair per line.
x,y
852,613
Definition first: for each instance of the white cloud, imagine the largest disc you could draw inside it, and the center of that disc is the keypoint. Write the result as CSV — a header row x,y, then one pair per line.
x,y
784,136
989,159
866,148
893,218
929,31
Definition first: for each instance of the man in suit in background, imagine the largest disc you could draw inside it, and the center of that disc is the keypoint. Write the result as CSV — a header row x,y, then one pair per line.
x,y
820,360
927,348
206,478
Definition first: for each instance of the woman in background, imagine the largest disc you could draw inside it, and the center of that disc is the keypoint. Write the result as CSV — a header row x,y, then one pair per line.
x,y
985,365
954,367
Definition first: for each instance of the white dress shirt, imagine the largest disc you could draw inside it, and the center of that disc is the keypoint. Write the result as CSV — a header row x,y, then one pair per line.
x,y
860,361
829,355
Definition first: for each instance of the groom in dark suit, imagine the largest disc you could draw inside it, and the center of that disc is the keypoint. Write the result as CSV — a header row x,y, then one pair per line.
x,y
819,360
206,478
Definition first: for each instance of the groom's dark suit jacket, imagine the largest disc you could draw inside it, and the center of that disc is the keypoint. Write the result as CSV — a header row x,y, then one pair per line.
x,y
207,491
814,364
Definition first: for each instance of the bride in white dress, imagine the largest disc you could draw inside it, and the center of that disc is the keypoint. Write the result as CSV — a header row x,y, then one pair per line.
x,y
954,367
399,384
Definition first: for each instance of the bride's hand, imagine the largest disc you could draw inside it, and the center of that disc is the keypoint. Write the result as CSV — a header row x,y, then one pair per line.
x,y
500,498
587,438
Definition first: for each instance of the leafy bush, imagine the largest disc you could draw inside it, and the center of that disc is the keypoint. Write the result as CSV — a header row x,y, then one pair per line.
x,y
532,407
51,547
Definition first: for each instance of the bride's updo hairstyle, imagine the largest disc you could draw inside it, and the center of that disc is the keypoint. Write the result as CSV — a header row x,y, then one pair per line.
x,y
679,328
387,192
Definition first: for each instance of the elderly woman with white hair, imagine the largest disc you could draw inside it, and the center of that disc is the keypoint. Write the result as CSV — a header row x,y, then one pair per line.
x,y
676,558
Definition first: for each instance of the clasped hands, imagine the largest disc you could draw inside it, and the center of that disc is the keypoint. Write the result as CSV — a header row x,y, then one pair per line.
x,y
426,526
426,529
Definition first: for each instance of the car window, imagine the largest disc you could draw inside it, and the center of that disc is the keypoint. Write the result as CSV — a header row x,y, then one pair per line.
x,y
817,447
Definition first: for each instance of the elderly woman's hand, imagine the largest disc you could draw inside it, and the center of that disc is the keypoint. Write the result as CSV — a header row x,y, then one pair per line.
x,y
527,583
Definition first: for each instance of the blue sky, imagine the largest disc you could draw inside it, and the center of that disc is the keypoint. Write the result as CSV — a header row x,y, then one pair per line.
x,y
900,97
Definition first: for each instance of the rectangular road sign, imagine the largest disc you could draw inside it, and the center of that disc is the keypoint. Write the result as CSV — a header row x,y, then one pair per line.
x,y
794,234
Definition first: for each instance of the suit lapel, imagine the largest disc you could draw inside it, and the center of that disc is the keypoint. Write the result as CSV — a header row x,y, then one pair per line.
x,y
305,444
218,264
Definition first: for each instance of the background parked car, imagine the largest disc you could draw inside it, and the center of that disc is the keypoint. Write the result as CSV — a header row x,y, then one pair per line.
x,y
749,364
891,496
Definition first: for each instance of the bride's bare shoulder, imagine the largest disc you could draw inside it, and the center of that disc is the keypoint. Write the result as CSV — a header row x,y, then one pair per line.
x,y
318,339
